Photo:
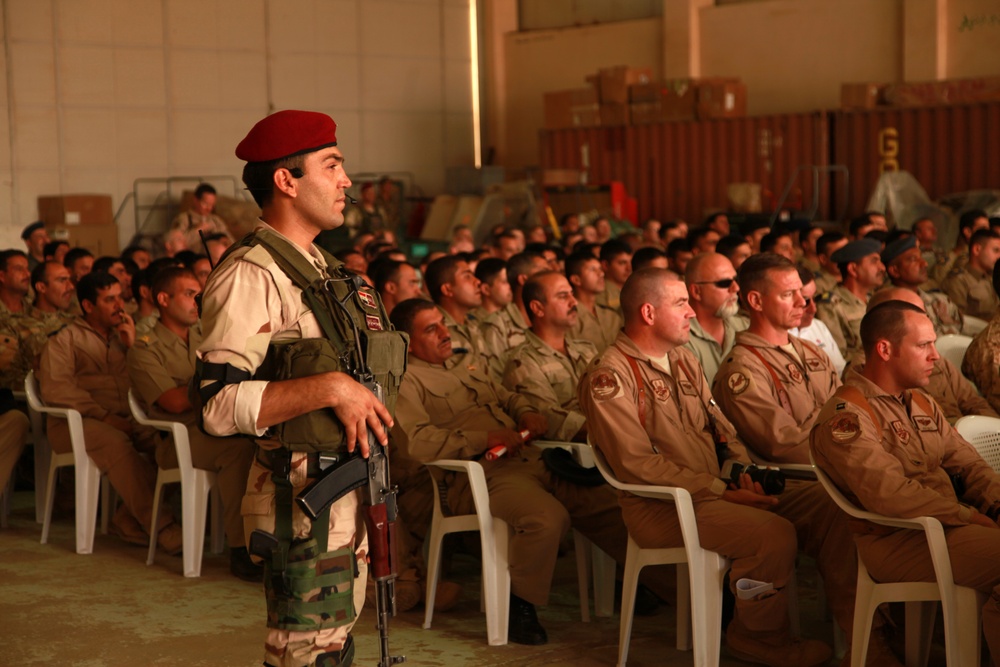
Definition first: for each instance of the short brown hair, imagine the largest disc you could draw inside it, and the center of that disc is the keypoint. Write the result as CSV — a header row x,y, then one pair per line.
x,y
886,321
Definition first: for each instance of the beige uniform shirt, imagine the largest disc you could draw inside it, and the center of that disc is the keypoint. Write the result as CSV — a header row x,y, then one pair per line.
x,y
972,291
599,327
947,264
954,394
842,311
826,282
190,222
811,265
448,413
548,379
901,465
944,314
467,340
747,394
611,296
708,351
982,362
81,369
502,331
160,361
675,446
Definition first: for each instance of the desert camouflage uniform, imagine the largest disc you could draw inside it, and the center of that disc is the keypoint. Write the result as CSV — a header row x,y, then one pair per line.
x,y
982,362
841,311
944,314
503,331
972,291
599,327
549,378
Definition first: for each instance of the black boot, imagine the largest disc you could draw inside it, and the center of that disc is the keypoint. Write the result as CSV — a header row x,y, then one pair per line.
x,y
242,567
524,627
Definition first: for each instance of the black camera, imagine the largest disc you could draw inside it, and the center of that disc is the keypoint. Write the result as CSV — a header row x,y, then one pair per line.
x,y
771,479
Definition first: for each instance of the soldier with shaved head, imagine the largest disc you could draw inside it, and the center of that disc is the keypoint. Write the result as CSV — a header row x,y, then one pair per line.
x,y
651,415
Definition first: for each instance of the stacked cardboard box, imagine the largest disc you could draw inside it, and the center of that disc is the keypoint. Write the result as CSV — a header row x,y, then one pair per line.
x,y
919,93
687,99
86,221
605,102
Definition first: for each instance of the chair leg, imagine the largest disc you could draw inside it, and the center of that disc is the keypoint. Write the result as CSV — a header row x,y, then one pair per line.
x,y
496,582
630,581
706,574
864,612
683,608
50,498
433,569
604,582
88,484
42,456
963,627
581,545
218,529
194,508
920,618
157,494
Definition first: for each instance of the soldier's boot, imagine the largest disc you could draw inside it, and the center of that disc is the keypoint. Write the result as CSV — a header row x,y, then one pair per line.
x,y
241,567
781,650
171,539
127,528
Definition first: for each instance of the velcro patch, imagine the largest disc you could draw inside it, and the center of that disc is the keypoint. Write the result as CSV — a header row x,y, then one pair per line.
x,y
660,389
924,423
687,388
845,428
367,299
815,364
604,385
899,428
738,383
794,373
373,322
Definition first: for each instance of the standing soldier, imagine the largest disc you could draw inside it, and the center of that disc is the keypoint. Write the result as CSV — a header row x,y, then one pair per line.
x,y
257,315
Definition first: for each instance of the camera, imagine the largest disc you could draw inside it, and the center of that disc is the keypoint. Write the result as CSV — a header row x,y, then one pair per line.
x,y
771,479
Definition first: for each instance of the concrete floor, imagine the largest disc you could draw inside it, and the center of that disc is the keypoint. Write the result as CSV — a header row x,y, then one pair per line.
x,y
109,609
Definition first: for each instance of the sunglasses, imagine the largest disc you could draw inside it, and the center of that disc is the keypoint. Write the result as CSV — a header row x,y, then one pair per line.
x,y
725,283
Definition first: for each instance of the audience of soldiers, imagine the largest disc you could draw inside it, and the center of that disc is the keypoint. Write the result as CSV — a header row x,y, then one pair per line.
x,y
675,353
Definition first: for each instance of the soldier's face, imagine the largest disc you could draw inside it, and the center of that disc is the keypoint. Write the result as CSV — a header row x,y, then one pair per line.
x,y
141,259
408,286
618,268
81,267
988,255
429,338
591,278
671,323
926,232
107,312
559,308
785,248
180,306
720,301
871,271
320,198
202,268
809,296
498,291
781,301
913,362
910,268
58,288
809,245
17,277
465,287
36,242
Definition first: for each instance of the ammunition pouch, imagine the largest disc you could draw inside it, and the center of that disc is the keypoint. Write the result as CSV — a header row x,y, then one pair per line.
x,y
315,590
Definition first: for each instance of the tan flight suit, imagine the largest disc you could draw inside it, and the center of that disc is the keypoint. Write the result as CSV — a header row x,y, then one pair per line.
x,y
900,467
502,331
81,369
842,312
448,414
779,433
954,394
707,350
599,327
548,379
248,302
982,362
747,394
160,361
676,447
14,427
972,291
944,314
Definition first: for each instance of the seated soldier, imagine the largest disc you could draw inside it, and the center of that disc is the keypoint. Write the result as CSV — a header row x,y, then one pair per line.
x,y
548,365
771,387
842,308
887,446
596,322
906,267
395,281
982,358
504,329
650,413
462,413
971,287
493,286
714,296
160,365
83,367
53,296
955,395
812,328
616,262
455,289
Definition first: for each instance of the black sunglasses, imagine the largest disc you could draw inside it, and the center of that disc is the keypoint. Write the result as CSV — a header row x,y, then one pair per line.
x,y
721,284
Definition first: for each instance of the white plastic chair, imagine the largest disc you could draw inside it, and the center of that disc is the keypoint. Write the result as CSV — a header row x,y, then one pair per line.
x,y
961,606
196,485
700,575
493,536
952,347
983,433
43,452
589,557
972,325
86,474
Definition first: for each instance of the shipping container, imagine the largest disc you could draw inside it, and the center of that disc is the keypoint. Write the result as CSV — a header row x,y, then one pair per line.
x,y
947,149
682,169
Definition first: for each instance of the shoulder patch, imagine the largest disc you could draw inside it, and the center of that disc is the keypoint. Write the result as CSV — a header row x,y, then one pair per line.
x,y
737,383
605,385
845,428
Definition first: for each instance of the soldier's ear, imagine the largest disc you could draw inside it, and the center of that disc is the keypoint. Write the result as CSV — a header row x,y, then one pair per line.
x,y
884,349
574,281
448,290
162,298
754,300
285,182
537,308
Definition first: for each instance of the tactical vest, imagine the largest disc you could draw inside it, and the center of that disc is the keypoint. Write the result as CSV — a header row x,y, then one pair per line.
x,y
358,340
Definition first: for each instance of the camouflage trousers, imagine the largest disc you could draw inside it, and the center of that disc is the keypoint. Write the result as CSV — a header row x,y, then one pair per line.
x,y
285,648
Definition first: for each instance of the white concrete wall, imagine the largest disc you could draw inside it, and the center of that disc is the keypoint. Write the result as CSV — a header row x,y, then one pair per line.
x,y
97,93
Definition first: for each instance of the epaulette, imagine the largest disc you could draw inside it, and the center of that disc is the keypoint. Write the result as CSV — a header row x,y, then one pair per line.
x,y
824,297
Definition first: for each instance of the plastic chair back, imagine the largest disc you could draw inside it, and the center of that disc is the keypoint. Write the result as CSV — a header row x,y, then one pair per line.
x,y
983,433
952,347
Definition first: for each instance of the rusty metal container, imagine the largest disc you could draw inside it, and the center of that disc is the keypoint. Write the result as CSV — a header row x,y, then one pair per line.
x,y
948,149
682,169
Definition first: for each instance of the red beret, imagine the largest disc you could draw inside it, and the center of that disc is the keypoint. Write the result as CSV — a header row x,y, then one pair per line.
x,y
287,133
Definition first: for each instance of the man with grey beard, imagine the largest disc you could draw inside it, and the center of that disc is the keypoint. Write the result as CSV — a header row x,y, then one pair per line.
x,y
713,293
